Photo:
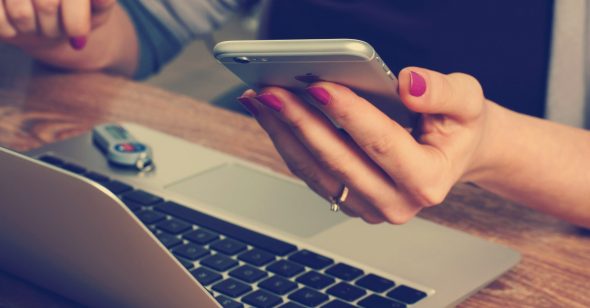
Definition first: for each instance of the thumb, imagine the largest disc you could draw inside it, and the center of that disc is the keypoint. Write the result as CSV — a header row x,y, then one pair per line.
x,y
455,95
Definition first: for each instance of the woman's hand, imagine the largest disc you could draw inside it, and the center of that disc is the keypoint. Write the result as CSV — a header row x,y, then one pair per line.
x,y
44,23
391,173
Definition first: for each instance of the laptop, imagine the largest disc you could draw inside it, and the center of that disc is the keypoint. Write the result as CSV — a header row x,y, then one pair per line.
x,y
207,229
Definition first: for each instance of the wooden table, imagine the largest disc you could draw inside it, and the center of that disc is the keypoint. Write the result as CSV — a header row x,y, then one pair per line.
x,y
554,272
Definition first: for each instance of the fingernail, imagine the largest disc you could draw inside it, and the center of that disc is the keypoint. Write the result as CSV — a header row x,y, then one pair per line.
x,y
270,101
320,94
78,43
417,84
245,101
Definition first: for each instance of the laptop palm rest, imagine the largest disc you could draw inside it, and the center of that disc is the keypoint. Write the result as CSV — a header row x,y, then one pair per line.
x,y
260,196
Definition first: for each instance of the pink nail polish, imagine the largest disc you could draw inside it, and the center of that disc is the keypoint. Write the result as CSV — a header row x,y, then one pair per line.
x,y
245,101
78,43
417,84
270,101
320,94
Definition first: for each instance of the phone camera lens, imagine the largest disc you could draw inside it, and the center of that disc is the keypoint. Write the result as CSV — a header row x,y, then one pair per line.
x,y
243,60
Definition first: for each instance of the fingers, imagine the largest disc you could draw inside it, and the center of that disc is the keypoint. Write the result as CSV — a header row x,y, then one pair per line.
x,y
48,17
76,20
302,163
7,31
455,95
344,160
21,15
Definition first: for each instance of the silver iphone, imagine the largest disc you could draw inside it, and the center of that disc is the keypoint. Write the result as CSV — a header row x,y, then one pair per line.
x,y
295,64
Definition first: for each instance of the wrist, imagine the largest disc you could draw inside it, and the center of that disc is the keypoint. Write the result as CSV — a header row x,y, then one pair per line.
x,y
489,157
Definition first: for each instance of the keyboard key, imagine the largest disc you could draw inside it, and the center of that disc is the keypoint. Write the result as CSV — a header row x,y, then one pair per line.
x,y
232,287
406,294
291,305
141,197
257,257
206,276
315,280
191,251
135,206
344,271
116,187
346,291
311,259
228,246
219,262
255,239
97,177
226,302
278,285
248,273
150,217
186,263
375,283
168,240
338,304
262,299
285,268
73,168
373,300
201,236
308,297
174,226
52,160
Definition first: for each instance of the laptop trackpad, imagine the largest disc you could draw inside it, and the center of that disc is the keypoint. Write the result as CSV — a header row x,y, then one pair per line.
x,y
260,196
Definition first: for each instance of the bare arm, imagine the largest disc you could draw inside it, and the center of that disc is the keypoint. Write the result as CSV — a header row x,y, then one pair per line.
x,y
538,163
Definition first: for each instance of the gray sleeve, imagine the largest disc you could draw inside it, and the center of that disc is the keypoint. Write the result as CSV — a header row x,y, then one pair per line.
x,y
190,19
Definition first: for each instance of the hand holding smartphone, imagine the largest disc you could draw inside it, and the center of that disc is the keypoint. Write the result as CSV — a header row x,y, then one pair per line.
x,y
295,64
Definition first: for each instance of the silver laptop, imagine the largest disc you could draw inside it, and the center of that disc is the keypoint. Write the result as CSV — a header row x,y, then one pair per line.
x,y
206,228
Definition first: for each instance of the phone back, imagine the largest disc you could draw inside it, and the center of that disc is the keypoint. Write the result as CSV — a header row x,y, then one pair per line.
x,y
295,64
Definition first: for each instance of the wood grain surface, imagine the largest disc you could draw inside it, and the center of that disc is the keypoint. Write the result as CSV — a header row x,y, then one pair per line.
x,y
554,271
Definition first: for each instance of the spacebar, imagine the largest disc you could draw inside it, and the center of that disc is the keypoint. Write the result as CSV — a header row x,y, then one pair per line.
x,y
255,239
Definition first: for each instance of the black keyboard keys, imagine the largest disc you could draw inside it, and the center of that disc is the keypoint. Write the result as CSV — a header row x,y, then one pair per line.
x,y
285,268
116,187
52,160
344,271
190,251
346,291
278,285
232,287
97,177
262,299
201,236
206,276
73,168
311,259
308,297
373,300
228,246
248,273
149,217
257,257
141,197
186,263
219,262
315,280
168,240
227,302
338,304
406,294
174,226
375,283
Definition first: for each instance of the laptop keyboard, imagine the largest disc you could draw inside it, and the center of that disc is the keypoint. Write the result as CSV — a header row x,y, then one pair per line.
x,y
241,267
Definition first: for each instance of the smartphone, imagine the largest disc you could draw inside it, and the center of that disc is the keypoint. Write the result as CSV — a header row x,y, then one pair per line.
x,y
295,64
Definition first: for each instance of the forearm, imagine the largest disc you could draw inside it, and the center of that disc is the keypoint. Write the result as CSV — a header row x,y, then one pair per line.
x,y
113,47
537,163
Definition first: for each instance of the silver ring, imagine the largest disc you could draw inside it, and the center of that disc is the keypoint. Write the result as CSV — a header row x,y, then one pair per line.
x,y
336,201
